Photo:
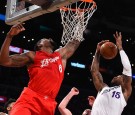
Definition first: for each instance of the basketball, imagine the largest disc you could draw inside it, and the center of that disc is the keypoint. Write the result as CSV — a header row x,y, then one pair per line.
x,y
108,50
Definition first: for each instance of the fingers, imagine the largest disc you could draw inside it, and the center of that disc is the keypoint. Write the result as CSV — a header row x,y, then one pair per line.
x,y
114,35
117,34
19,26
75,89
120,34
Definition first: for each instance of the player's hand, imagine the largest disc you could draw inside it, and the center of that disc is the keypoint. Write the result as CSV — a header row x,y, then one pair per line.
x,y
91,100
100,44
74,91
118,38
15,30
2,113
86,112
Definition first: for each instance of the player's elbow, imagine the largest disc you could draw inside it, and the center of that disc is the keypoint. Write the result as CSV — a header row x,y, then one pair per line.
x,y
60,107
2,62
5,63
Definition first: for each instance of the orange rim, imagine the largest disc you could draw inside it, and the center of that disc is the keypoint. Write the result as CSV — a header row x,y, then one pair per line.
x,y
81,10
87,0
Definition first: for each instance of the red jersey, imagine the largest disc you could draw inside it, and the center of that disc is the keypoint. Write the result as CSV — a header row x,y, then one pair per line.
x,y
46,74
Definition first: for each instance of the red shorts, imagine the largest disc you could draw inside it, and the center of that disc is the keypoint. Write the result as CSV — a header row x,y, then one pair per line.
x,y
31,103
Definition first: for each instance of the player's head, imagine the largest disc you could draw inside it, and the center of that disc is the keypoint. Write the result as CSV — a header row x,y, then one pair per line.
x,y
118,80
45,43
9,104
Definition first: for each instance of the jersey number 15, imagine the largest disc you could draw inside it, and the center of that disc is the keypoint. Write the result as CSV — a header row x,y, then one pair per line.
x,y
116,94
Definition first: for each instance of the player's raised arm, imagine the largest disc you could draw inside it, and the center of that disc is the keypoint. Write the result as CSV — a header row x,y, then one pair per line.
x,y
68,50
96,75
127,70
14,60
63,105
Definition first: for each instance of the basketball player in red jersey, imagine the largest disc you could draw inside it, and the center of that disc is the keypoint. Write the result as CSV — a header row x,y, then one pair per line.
x,y
46,72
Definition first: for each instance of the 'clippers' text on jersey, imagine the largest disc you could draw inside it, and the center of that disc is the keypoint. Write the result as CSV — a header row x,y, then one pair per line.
x,y
46,73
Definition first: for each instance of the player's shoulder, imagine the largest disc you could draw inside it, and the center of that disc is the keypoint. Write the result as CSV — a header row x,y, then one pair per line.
x,y
59,50
30,54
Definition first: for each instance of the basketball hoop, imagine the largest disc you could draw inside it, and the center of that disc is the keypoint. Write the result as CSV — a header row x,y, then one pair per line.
x,y
75,18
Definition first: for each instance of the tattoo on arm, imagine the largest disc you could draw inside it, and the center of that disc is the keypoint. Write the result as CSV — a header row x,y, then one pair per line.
x,y
97,80
20,60
127,88
127,81
70,48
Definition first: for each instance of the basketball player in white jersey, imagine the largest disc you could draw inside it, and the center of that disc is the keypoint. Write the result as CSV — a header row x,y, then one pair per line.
x,y
111,100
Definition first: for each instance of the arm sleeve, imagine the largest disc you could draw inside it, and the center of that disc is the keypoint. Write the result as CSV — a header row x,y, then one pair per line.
x,y
126,63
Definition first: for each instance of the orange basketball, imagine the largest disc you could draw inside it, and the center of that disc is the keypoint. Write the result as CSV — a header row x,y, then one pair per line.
x,y
108,50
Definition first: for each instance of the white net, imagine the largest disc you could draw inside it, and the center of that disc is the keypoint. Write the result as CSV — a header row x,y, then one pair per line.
x,y
75,18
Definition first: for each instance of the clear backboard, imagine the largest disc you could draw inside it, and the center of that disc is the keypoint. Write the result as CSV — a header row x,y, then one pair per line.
x,y
22,10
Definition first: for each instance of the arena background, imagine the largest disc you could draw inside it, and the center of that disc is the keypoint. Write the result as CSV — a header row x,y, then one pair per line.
x,y
110,16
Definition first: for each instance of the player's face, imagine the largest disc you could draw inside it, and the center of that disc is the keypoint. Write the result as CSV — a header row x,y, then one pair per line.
x,y
48,43
117,80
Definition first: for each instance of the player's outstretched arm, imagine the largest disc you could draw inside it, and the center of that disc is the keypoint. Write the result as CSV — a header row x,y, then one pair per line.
x,y
127,70
96,75
62,106
68,50
14,60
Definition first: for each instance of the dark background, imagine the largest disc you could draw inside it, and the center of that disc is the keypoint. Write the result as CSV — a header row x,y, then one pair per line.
x,y
110,16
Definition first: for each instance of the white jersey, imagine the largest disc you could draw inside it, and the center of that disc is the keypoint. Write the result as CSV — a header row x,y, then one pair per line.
x,y
110,101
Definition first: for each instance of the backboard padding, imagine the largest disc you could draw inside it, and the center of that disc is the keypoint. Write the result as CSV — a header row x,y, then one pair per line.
x,y
14,15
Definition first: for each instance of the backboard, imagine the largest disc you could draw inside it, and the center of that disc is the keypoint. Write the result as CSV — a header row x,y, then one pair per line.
x,y
18,11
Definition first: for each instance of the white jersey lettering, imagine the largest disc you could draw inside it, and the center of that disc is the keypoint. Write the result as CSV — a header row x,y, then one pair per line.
x,y
110,101
45,62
